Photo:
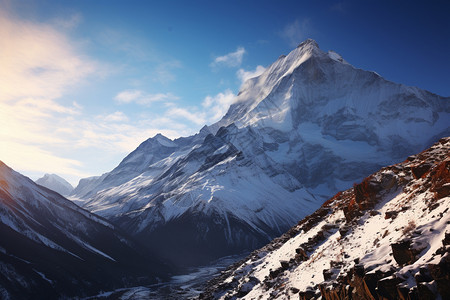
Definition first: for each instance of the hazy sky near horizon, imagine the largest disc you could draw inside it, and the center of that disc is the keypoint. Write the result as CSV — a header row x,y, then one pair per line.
x,y
83,83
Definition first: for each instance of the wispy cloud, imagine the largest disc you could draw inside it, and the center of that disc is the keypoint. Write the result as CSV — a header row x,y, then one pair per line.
x,y
233,59
194,116
143,98
38,61
212,110
117,116
243,75
218,105
296,32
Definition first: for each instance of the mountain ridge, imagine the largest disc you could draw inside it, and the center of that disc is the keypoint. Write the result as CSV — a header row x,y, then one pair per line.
x,y
52,248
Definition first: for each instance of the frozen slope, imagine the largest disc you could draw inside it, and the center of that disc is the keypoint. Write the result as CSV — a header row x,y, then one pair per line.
x,y
310,125
50,248
386,238
56,183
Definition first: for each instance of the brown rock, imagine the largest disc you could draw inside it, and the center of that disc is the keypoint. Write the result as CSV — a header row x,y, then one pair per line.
x,y
425,292
391,214
387,288
446,240
441,275
403,254
403,291
419,170
301,254
327,274
284,264
274,274
307,295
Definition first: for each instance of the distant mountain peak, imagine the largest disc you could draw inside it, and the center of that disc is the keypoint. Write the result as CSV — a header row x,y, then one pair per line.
x,y
55,183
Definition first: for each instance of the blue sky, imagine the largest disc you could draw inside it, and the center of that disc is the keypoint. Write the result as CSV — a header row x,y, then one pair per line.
x,y
82,83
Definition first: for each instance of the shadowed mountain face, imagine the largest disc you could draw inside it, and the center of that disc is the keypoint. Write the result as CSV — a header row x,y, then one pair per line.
x,y
310,125
51,248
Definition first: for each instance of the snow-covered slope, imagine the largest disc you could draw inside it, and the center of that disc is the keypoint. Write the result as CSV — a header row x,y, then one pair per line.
x,y
386,238
56,183
51,248
310,125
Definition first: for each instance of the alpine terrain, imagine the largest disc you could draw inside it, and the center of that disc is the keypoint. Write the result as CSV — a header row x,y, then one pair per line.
x,y
388,237
309,126
56,183
52,249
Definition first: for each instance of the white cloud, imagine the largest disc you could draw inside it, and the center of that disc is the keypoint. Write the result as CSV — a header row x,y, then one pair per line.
x,y
233,59
117,116
212,110
243,75
34,158
296,32
38,61
142,98
128,96
193,116
216,106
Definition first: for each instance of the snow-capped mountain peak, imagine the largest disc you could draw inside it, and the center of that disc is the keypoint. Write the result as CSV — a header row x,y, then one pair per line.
x,y
309,125
56,183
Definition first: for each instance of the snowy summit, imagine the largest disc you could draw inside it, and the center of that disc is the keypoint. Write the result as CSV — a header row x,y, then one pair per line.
x,y
56,183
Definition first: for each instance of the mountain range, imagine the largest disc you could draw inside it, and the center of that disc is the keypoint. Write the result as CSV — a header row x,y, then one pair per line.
x,y
310,125
52,249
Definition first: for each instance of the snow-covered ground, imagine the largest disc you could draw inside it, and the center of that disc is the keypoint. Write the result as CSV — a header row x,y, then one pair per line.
x,y
402,207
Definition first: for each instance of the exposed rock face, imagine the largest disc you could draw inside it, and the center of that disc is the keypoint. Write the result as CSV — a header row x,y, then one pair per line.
x,y
387,238
403,253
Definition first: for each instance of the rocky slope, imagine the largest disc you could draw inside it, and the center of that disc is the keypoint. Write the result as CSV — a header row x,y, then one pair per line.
x,y
50,248
310,125
388,237
55,183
